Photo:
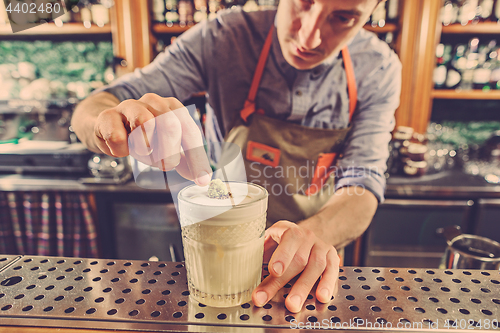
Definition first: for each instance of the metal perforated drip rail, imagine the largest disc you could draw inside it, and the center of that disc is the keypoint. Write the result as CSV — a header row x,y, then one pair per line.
x,y
140,295
6,260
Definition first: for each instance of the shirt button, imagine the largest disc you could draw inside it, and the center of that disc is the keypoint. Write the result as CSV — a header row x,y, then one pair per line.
x,y
298,93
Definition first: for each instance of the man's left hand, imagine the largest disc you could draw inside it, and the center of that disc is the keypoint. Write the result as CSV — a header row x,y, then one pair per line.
x,y
294,250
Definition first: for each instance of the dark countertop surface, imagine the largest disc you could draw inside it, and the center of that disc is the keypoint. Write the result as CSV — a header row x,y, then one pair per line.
x,y
444,185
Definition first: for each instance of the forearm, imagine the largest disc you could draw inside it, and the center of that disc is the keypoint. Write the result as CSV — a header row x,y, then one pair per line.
x,y
85,115
344,217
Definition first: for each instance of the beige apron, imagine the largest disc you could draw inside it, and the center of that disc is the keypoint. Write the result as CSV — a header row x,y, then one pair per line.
x,y
293,162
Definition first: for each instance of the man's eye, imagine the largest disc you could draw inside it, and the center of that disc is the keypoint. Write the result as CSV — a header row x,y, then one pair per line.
x,y
343,20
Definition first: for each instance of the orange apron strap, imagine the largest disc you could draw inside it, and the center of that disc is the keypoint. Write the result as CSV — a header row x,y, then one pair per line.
x,y
352,89
249,107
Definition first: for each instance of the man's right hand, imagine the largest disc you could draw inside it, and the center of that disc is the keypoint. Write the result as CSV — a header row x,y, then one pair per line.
x,y
157,131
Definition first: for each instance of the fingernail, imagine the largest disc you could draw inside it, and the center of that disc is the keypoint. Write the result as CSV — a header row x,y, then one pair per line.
x,y
325,294
296,303
278,268
261,298
203,178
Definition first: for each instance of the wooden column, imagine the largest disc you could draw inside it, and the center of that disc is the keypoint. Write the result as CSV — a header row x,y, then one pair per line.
x,y
132,41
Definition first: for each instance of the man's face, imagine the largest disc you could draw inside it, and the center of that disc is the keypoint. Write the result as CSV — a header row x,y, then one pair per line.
x,y
310,31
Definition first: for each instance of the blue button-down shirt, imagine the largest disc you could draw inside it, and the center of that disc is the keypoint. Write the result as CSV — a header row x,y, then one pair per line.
x,y
220,57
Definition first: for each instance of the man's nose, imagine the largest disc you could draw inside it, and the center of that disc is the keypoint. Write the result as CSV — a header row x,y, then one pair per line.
x,y
309,33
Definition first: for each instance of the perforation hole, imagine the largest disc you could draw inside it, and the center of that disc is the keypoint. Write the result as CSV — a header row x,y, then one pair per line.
x,y
376,308
455,300
94,262
496,301
157,273
183,303
112,312
486,312
431,272
122,271
419,310
48,309
397,309
425,288
475,281
200,315
140,301
127,264
79,299
381,321
18,268
146,291
441,310
34,268
353,308
116,280
106,290
412,271
155,314
267,318
392,298
433,299
39,297
393,271
475,300
405,288
448,272
7,307
267,306
59,278
139,272
485,290
485,273
467,273
418,279
27,308
445,289
166,292
99,300
79,278
221,316
19,296
59,298
350,297
404,321
310,307
152,281
437,280
332,308
69,310
170,281
343,278
185,293
90,311
67,270
379,278
41,277
495,281
126,291
366,287
120,301
103,271
133,313
44,261
133,281
357,270
376,271
361,278
88,289
371,298
51,269
77,262
464,311
111,263
385,288
412,299
30,286
465,290
86,270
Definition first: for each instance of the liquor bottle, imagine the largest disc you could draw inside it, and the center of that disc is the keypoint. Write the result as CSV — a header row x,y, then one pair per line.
x,y
185,12
158,11
441,70
213,7
378,16
467,12
471,56
171,14
200,14
482,73
392,11
449,13
100,14
497,11
457,65
485,10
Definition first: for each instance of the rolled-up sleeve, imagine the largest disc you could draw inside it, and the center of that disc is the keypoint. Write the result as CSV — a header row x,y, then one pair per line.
x,y
364,160
176,72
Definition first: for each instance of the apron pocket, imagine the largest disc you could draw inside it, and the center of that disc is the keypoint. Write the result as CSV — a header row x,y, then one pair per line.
x,y
264,154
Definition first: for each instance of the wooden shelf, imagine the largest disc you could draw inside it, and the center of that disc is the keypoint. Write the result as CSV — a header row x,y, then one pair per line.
x,y
466,94
389,27
161,28
479,28
52,29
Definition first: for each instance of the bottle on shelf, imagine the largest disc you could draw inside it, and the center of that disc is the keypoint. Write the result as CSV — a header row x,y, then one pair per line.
x,y
441,70
482,73
200,11
213,7
392,7
467,12
158,9
485,10
449,12
185,12
100,13
379,15
497,11
472,60
171,13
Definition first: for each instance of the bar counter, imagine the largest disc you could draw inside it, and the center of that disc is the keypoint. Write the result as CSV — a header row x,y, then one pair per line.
x,y
103,294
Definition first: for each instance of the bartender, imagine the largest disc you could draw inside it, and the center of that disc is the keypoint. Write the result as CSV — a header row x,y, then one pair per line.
x,y
300,85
